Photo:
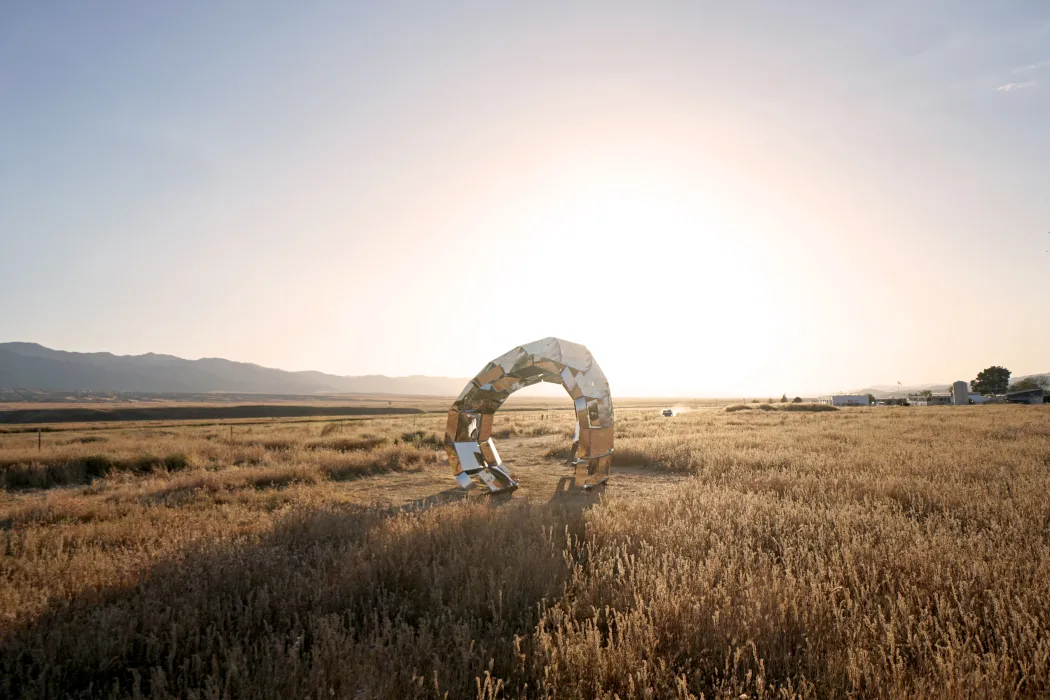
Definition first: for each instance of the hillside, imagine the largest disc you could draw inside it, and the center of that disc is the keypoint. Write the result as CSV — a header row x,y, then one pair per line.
x,y
33,366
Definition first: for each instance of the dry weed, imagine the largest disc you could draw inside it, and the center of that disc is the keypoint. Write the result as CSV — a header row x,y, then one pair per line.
x,y
894,552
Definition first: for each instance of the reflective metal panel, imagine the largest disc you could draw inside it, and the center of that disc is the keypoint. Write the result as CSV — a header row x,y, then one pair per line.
x,y
488,451
596,441
468,457
591,472
468,442
489,375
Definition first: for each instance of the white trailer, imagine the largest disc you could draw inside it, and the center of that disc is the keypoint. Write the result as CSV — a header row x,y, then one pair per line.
x,y
845,400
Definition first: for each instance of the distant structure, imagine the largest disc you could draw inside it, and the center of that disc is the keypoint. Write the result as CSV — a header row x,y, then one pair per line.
x,y
931,400
961,393
1031,396
845,400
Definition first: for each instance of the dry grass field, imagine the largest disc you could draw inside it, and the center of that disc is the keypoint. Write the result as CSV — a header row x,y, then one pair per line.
x,y
891,552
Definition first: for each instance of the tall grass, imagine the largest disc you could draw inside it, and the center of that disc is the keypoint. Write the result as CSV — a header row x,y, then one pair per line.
x,y
81,459
868,553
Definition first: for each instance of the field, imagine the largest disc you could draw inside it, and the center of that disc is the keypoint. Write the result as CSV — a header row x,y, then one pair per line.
x,y
890,552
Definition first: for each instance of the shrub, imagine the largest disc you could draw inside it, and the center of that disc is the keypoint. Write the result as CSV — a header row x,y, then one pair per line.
x,y
738,407
176,461
85,440
348,444
143,464
391,458
811,407
96,466
559,452
276,444
421,439
331,428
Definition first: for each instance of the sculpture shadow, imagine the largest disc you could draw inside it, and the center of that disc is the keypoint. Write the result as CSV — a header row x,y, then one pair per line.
x,y
453,494
566,493
334,600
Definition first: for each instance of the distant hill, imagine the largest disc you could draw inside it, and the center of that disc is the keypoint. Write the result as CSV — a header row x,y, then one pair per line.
x,y
33,366
1043,379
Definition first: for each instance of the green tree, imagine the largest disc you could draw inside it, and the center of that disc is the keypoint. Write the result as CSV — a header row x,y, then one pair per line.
x,y
871,399
1029,383
926,392
784,398
797,399
993,380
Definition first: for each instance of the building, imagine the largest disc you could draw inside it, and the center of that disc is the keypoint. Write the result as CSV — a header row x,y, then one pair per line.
x,y
961,393
979,398
931,400
845,400
1027,396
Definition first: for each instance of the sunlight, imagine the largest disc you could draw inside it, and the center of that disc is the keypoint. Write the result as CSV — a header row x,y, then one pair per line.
x,y
652,251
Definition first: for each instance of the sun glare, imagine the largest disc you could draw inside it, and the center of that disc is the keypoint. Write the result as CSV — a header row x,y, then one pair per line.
x,y
654,252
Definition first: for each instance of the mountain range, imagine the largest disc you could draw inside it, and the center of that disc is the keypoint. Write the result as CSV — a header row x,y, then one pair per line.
x,y
33,366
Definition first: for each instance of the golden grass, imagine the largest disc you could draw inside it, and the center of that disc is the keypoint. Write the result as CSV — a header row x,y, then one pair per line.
x,y
890,552
81,458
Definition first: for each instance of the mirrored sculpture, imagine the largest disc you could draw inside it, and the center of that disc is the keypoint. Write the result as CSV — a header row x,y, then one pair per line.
x,y
468,434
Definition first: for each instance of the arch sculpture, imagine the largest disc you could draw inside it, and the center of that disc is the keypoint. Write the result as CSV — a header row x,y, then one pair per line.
x,y
468,434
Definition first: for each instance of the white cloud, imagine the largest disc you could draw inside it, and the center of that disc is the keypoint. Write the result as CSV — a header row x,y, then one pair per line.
x,y
1032,66
1013,87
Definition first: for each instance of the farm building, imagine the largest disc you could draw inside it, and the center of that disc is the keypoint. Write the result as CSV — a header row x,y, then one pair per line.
x,y
931,400
1027,396
891,402
845,400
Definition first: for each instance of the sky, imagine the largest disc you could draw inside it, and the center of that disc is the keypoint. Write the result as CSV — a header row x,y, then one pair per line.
x,y
717,198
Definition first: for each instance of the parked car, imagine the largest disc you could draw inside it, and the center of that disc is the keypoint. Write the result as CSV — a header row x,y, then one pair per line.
x,y
668,413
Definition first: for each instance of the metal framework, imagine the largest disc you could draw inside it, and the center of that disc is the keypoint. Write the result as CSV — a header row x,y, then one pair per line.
x,y
468,434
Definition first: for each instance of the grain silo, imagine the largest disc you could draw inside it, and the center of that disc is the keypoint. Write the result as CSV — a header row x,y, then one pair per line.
x,y
961,394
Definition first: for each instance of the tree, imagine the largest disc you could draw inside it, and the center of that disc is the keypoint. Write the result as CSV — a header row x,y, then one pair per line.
x,y
926,392
871,399
1029,383
797,399
784,398
993,380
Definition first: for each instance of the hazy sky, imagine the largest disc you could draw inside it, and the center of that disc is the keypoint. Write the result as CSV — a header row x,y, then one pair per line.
x,y
718,198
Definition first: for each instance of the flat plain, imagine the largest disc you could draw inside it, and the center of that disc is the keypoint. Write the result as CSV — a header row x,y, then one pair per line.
x,y
882,552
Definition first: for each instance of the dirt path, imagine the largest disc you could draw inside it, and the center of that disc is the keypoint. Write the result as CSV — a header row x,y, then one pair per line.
x,y
542,480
